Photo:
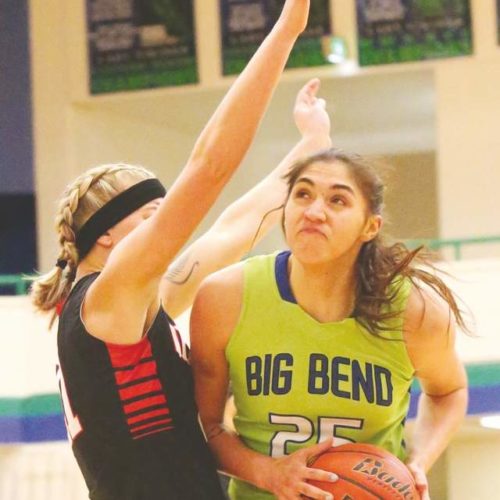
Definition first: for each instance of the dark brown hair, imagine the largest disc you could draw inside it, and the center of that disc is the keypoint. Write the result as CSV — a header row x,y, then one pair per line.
x,y
380,263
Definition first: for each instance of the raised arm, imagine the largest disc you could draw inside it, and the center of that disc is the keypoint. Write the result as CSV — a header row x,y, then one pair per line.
x,y
213,318
129,282
246,221
430,338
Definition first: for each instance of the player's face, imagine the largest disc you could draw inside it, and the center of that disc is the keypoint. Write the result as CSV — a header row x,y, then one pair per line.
x,y
127,225
326,215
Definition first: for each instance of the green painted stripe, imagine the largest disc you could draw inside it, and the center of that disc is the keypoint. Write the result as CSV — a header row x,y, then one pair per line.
x,y
45,404
479,375
482,375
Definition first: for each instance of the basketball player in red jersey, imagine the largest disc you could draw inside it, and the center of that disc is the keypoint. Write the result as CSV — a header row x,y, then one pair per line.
x,y
124,376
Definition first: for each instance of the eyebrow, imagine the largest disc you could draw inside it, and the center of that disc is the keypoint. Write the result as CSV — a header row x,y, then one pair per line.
x,y
344,187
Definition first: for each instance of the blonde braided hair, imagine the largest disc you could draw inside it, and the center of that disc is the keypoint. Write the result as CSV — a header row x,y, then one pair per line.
x,y
81,199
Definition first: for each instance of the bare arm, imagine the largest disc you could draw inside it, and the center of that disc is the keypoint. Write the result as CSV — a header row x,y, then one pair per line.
x,y
213,318
246,221
430,337
129,282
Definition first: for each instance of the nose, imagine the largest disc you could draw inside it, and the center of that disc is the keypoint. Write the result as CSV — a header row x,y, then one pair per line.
x,y
316,210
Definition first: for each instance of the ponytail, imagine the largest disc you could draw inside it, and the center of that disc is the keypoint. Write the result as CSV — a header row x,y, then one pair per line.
x,y
378,266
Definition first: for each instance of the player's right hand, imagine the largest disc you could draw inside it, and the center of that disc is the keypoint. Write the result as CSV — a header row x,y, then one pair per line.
x,y
288,475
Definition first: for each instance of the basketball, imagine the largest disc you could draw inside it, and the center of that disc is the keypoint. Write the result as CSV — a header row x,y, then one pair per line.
x,y
366,472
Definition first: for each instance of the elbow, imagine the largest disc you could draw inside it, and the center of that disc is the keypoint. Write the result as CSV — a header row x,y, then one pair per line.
x,y
455,401
215,169
459,393
219,158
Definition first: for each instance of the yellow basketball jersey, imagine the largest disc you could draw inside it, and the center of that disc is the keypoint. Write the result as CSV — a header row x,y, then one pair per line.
x,y
297,381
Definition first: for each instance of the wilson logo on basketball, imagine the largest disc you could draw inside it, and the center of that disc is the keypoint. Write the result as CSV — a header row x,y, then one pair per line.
x,y
375,469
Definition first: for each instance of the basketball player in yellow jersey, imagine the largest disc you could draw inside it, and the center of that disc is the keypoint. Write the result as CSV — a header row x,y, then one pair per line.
x,y
322,343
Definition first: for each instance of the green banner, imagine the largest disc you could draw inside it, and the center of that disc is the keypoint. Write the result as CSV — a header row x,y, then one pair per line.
x,y
140,44
245,24
392,31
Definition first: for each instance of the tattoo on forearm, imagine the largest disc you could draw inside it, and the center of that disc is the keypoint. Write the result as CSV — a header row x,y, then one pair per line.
x,y
179,273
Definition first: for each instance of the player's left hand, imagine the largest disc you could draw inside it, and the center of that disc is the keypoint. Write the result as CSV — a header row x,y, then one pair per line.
x,y
420,479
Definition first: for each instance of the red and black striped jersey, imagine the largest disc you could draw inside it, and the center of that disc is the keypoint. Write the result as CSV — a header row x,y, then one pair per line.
x,y
130,412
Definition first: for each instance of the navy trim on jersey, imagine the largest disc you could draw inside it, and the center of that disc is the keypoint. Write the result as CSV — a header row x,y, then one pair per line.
x,y
282,278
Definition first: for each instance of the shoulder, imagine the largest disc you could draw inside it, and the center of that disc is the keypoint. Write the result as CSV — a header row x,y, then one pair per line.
x,y
222,282
429,330
231,279
426,313
429,334
217,305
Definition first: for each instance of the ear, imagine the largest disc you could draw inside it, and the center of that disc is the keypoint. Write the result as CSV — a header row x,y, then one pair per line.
x,y
105,240
372,228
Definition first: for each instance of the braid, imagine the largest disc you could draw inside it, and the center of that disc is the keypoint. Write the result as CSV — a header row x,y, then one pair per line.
x,y
81,199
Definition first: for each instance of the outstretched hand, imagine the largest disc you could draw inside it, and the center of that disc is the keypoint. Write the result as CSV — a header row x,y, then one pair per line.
x,y
289,474
294,16
311,117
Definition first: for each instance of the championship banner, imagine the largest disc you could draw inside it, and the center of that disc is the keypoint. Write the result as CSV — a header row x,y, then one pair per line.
x,y
140,44
392,31
245,23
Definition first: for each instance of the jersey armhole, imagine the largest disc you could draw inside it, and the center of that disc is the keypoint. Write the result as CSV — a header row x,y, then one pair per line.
x,y
112,344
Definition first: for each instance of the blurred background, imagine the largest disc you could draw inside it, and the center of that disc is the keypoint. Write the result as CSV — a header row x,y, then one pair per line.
x,y
414,84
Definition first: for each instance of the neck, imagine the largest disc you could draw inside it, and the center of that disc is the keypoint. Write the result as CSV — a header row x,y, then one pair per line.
x,y
90,264
325,291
